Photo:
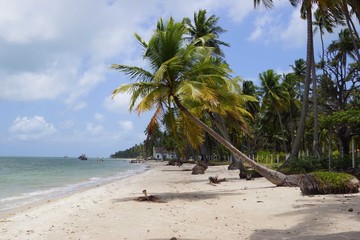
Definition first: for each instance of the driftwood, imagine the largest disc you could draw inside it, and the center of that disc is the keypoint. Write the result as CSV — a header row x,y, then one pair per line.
x,y
216,180
146,198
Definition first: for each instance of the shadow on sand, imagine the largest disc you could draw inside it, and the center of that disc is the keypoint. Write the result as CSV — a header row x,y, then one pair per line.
x,y
318,221
187,196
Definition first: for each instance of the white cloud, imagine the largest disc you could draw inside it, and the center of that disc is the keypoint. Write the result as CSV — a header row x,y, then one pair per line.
x,y
94,129
49,55
22,24
238,10
295,33
31,128
117,104
126,126
274,27
99,117
68,124
261,24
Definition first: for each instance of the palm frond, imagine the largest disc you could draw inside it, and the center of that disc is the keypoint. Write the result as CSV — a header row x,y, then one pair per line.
x,y
154,121
137,73
151,98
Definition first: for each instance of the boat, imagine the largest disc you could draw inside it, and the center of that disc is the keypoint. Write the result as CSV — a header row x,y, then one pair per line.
x,y
82,157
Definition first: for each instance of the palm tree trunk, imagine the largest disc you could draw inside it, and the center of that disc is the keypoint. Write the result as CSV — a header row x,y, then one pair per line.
x,y
316,146
220,125
273,176
352,29
282,132
301,128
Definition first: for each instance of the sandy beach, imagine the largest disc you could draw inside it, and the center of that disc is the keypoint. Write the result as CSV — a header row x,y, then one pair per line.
x,y
190,208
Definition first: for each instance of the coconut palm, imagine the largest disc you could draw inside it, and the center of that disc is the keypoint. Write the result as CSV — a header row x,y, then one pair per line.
x,y
343,6
275,97
182,73
306,13
205,31
324,21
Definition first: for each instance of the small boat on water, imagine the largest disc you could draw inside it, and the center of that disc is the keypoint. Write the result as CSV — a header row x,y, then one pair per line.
x,y
82,157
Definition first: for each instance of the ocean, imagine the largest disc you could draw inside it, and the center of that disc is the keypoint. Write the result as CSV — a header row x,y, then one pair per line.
x,y
25,180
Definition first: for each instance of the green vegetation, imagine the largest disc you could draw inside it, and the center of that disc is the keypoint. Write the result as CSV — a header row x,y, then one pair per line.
x,y
329,183
133,152
202,109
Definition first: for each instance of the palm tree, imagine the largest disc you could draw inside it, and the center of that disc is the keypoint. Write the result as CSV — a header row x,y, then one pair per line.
x,y
306,13
343,5
275,97
182,73
205,31
299,70
324,20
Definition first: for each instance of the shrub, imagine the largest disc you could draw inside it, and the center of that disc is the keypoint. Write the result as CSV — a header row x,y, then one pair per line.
x,y
304,165
328,183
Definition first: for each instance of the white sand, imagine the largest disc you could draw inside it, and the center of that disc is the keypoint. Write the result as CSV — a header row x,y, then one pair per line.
x,y
191,209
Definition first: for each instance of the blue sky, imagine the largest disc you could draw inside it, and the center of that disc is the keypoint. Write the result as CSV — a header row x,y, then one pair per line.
x,y
55,81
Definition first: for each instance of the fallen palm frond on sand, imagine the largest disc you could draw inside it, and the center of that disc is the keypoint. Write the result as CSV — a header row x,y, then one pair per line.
x,y
216,180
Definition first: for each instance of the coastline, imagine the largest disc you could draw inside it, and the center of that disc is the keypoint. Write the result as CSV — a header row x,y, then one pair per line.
x,y
191,208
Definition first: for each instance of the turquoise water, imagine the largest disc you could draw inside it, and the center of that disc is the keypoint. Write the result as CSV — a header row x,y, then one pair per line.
x,y
24,180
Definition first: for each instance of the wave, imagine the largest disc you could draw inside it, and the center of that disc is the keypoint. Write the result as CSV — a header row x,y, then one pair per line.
x,y
8,203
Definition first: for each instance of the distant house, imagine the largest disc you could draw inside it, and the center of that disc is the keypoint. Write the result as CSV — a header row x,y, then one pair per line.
x,y
160,153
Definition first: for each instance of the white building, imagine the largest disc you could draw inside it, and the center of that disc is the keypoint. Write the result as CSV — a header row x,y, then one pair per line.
x,y
160,153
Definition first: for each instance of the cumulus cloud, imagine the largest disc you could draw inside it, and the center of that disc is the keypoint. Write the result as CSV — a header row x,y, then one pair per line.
x,y
261,25
126,126
273,27
46,55
295,33
94,129
118,104
31,128
99,117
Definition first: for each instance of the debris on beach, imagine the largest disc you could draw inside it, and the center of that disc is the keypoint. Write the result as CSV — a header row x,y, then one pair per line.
x,y
199,168
148,198
216,180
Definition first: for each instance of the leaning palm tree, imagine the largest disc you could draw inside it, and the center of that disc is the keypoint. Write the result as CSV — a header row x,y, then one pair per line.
x,y
204,31
180,74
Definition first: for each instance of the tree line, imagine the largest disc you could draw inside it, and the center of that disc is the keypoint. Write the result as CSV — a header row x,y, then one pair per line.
x,y
202,109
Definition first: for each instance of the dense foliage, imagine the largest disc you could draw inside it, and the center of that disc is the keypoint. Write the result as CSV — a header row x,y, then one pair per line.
x,y
133,152
265,120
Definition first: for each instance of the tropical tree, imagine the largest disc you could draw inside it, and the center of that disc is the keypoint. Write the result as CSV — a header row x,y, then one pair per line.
x,y
343,7
343,82
182,75
324,21
275,97
205,31
306,13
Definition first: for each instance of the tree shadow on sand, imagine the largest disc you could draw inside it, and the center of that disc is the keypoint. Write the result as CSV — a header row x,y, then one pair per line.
x,y
187,196
318,220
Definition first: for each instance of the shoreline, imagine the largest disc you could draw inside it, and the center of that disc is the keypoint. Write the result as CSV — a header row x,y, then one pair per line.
x,y
190,208
88,185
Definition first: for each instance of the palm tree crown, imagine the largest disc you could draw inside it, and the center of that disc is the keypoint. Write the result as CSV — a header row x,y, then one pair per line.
x,y
183,72
205,31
